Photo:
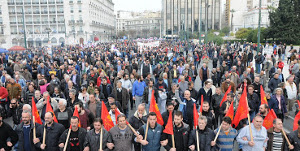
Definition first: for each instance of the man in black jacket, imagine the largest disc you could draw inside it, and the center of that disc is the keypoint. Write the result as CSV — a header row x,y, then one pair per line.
x,y
6,132
138,119
253,101
53,132
165,115
205,135
215,104
147,93
25,132
15,111
77,136
181,135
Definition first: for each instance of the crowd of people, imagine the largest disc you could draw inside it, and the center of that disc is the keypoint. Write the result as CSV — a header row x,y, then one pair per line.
x,y
125,79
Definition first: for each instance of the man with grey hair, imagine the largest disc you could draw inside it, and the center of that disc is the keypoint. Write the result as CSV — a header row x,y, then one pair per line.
x,y
291,88
41,104
205,134
26,107
63,114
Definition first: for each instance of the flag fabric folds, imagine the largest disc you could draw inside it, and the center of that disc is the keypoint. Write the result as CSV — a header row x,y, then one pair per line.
x,y
154,108
49,109
268,121
196,116
230,111
35,112
169,127
263,98
225,95
77,115
242,110
117,113
107,121
201,107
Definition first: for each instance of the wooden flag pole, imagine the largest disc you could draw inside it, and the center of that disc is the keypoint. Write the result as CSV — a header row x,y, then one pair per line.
x,y
66,143
197,137
44,134
218,133
101,138
288,141
147,127
173,141
250,129
133,130
34,130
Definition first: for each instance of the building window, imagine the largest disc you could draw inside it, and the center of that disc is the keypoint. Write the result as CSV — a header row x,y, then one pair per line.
x,y
1,21
79,9
72,9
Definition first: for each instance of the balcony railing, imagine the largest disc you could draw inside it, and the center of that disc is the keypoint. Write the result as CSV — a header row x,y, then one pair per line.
x,y
35,2
12,12
19,3
71,22
45,2
36,12
79,21
60,11
51,2
60,21
10,3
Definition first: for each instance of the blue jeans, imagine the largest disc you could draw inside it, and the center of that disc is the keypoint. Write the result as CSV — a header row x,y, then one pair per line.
x,y
257,66
282,56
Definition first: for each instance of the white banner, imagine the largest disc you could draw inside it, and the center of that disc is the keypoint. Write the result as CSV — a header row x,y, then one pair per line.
x,y
149,44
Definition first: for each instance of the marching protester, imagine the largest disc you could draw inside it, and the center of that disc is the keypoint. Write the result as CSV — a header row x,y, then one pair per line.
x,y
8,136
48,135
76,137
92,139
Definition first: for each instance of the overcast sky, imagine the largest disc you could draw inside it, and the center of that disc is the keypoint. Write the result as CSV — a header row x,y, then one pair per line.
x,y
137,5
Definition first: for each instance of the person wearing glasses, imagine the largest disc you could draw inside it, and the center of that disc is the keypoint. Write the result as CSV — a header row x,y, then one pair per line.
x,y
15,111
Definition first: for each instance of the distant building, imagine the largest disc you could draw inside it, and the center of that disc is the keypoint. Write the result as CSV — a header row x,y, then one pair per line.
x,y
52,22
184,15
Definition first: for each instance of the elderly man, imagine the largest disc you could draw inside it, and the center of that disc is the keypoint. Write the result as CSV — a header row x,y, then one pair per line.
x,y
204,73
206,135
63,114
259,142
291,88
41,104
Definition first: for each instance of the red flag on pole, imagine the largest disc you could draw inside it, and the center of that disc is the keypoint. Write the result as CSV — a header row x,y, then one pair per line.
x,y
242,109
35,112
49,109
225,95
154,108
196,116
77,115
230,111
169,127
107,121
201,107
117,113
268,121
263,96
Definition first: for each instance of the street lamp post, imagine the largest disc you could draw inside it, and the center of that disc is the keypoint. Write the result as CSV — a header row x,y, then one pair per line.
x,y
258,32
24,28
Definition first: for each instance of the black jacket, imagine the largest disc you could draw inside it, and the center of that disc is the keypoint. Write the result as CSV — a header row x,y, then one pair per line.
x,y
19,131
124,99
146,92
253,102
137,122
180,143
52,136
92,140
273,84
81,137
16,113
205,137
295,140
7,132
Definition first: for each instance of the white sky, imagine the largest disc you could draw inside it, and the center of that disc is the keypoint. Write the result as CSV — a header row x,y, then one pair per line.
x,y
137,5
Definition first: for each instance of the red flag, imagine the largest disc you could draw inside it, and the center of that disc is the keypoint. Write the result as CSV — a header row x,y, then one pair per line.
x,y
169,127
297,118
196,116
77,115
49,109
242,109
230,111
201,107
117,113
225,95
263,96
154,108
107,121
268,121
35,113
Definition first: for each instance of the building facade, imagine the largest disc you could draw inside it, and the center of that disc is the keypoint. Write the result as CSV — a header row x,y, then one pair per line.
x,y
190,16
53,22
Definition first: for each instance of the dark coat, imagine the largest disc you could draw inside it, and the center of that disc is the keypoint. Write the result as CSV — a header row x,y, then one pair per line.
x,y
205,137
273,84
52,136
92,140
282,102
19,131
146,92
137,122
284,145
125,97
183,132
81,137
6,132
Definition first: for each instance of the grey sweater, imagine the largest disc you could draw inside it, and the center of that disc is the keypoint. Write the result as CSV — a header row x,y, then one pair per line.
x,y
122,142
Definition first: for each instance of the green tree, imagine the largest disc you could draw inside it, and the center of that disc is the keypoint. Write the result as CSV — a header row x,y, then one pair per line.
x,y
285,20
242,33
226,30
